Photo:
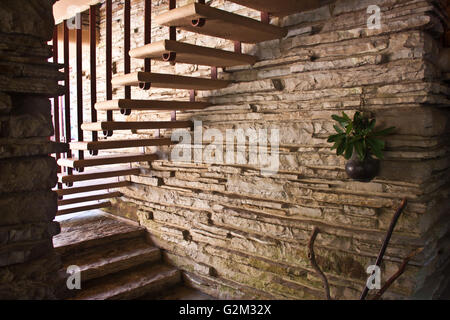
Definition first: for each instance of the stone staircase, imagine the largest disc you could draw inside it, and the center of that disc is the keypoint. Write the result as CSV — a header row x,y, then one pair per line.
x,y
115,260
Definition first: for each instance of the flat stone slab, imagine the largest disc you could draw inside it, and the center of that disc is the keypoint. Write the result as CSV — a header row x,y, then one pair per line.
x,y
92,228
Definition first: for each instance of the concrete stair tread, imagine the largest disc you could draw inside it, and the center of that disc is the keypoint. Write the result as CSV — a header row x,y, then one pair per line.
x,y
155,105
192,54
134,125
131,283
106,160
88,198
220,23
119,144
281,8
80,208
77,177
97,262
92,187
170,81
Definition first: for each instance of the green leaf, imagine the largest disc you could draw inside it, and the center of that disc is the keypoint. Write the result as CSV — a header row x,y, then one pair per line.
x,y
376,147
341,148
384,132
359,147
338,129
335,137
349,129
348,150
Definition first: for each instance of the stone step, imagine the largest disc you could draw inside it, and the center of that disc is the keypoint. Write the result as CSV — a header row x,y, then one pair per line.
x,y
117,256
100,205
152,105
92,229
203,19
170,81
134,125
119,144
131,284
76,177
282,8
106,160
180,292
192,54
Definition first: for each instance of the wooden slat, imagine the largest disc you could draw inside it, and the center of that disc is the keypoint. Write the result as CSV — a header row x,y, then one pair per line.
x,y
84,208
96,197
118,144
106,160
155,105
188,53
95,187
221,24
160,80
281,7
98,175
135,125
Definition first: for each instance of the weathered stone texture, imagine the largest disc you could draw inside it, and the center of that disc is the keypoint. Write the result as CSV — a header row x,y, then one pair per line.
x,y
28,264
239,234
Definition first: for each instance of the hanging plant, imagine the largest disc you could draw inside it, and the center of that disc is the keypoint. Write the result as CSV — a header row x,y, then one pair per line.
x,y
357,140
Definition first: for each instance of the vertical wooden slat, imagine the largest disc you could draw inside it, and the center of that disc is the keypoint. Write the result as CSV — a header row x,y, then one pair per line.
x,y
265,17
237,47
127,32
109,56
56,100
173,36
147,38
93,65
79,58
68,134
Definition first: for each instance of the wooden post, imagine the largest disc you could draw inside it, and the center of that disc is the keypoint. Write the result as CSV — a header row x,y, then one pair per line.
x,y
79,75
109,114
68,134
147,39
56,100
173,36
93,67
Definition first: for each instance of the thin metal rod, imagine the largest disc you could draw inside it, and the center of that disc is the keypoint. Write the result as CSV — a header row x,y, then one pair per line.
x,y
173,36
56,98
265,17
148,30
386,241
127,32
67,91
147,39
237,47
79,46
57,135
109,114
93,64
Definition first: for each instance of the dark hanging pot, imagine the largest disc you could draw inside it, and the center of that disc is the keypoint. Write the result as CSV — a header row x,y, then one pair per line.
x,y
363,171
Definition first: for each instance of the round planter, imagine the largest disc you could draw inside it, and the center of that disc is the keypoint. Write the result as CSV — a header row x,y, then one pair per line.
x,y
363,171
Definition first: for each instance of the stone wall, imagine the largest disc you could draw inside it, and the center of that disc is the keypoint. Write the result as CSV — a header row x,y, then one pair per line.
x,y
28,265
239,234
